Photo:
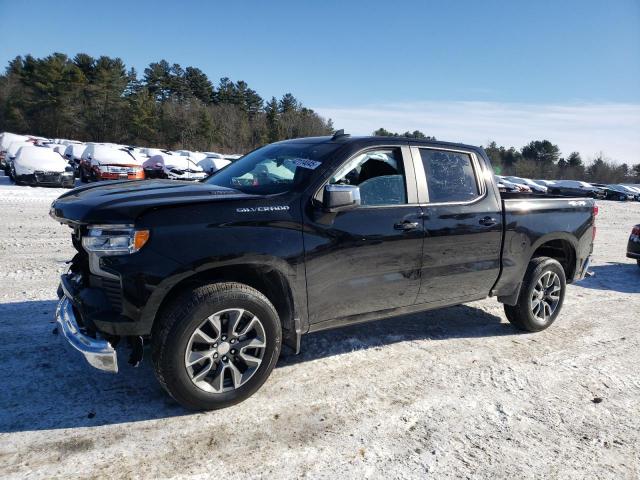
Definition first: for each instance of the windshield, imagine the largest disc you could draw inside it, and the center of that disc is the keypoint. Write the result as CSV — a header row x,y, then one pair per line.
x,y
275,168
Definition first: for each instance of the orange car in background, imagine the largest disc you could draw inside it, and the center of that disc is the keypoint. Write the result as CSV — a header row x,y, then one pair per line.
x,y
107,162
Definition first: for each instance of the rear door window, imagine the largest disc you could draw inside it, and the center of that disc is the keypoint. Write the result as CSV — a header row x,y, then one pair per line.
x,y
451,176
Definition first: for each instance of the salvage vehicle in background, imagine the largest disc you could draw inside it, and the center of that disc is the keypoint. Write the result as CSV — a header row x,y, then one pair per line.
x,y
10,155
633,245
105,162
535,187
505,185
150,152
615,192
574,188
634,191
173,167
6,139
73,153
300,236
34,165
212,162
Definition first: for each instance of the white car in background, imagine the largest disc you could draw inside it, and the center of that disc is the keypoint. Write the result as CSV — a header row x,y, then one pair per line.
x,y
536,187
635,191
185,153
10,155
174,167
36,165
59,148
6,139
150,152
511,186
211,162
73,153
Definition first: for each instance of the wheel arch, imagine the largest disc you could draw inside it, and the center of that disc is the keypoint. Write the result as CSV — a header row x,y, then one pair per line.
x,y
560,247
265,278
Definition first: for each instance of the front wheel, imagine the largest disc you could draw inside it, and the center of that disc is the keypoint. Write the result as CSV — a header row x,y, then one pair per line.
x,y
541,296
216,345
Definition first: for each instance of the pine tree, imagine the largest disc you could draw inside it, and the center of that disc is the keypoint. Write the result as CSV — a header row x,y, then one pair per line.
x,y
271,110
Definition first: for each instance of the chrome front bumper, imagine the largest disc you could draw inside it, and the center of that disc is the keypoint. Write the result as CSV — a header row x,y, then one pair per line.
x,y
99,353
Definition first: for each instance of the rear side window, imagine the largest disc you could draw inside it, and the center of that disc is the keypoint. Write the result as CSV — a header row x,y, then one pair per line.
x,y
450,176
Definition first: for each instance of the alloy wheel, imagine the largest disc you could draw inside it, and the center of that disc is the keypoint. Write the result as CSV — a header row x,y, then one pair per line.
x,y
545,296
225,351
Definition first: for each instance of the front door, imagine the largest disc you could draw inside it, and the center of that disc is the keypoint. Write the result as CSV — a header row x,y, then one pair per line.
x,y
366,259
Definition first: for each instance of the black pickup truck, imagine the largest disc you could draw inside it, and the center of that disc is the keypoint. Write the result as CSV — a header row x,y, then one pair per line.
x,y
300,236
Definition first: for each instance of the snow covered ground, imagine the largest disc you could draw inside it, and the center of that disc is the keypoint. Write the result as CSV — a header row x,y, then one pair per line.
x,y
451,393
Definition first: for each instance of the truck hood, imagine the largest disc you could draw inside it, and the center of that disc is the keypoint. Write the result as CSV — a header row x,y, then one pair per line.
x,y
123,202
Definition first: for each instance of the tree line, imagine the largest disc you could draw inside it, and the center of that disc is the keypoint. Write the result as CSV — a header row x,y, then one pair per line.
x,y
101,100
542,159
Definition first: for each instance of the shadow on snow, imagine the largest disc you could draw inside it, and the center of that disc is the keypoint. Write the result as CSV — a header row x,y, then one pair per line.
x,y
48,386
614,276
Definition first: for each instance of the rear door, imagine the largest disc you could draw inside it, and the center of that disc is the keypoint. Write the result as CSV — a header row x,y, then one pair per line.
x,y
366,259
462,222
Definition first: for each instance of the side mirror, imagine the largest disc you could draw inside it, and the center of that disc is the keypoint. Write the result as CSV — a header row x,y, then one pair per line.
x,y
338,198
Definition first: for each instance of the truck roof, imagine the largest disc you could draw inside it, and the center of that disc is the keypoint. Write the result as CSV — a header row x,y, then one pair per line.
x,y
374,140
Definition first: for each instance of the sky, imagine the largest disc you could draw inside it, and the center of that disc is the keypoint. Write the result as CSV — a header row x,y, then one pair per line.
x,y
464,70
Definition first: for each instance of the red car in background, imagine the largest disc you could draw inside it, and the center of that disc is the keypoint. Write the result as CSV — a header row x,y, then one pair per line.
x,y
106,162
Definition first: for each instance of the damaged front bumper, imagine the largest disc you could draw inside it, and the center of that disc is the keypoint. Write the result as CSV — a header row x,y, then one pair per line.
x,y
98,352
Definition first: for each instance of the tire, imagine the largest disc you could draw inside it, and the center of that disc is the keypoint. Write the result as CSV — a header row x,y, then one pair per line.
x,y
187,321
523,314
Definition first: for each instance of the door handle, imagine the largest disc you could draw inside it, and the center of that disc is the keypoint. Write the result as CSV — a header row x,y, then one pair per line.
x,y
487,221
406,225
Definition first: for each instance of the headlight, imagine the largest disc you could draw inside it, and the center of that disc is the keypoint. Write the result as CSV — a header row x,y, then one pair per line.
x,y
114,239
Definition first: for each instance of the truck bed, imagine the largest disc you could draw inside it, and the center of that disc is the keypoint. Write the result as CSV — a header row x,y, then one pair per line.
x,y
530,221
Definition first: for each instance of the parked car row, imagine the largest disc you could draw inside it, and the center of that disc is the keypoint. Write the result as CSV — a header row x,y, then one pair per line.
x,y
570,188
28,159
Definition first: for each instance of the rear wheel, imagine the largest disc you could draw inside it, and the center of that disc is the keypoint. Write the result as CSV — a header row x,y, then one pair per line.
x,y
541,296
216,345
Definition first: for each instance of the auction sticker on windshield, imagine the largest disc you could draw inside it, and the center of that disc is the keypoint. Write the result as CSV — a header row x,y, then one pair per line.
x,y
306,163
